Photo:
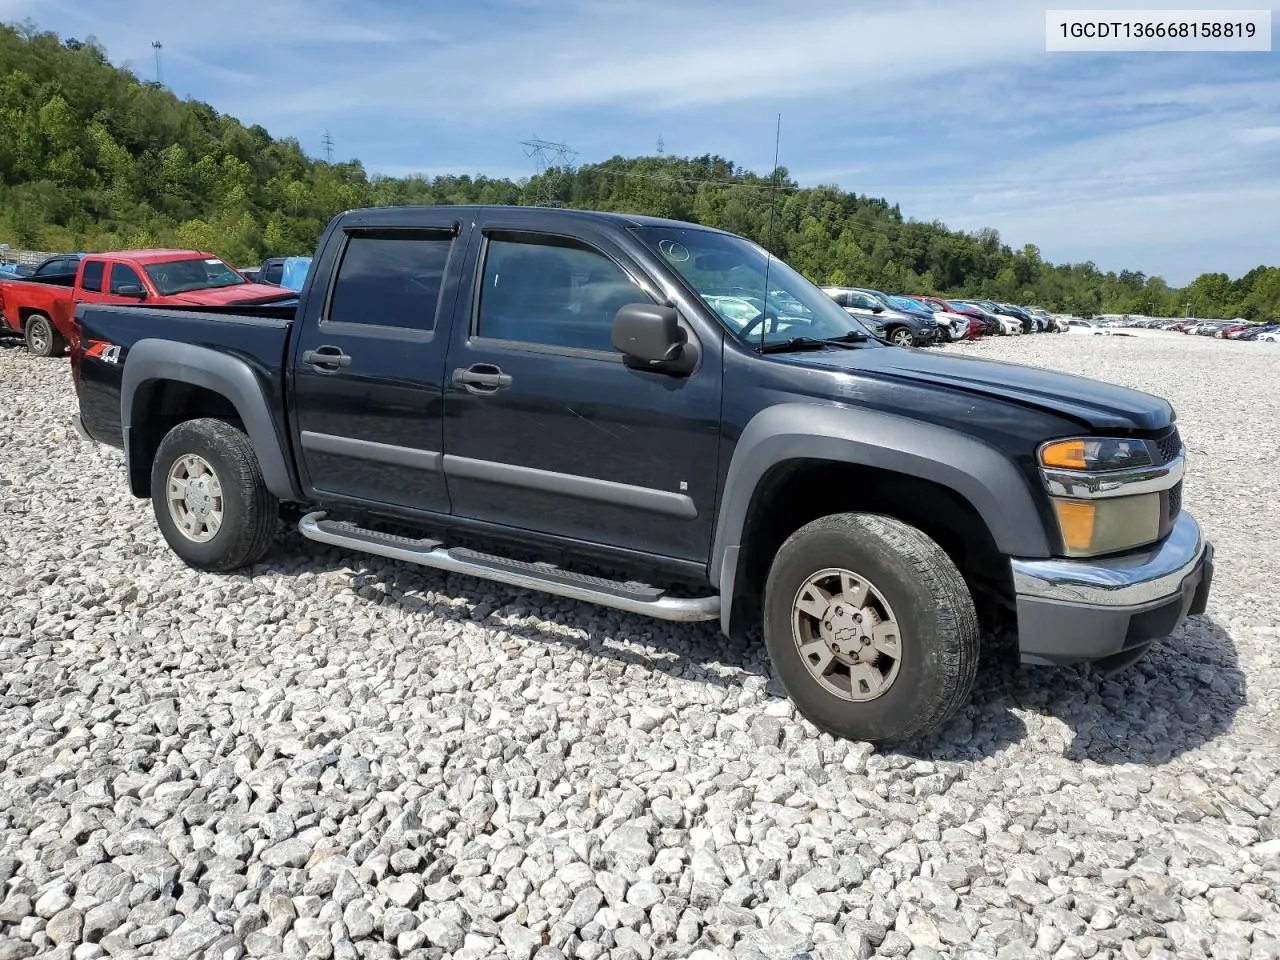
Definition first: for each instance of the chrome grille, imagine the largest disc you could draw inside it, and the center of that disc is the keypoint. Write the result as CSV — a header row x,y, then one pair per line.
x,y
1170,445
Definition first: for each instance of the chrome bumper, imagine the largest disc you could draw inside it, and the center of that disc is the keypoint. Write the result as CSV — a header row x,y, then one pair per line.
x,y
1112,607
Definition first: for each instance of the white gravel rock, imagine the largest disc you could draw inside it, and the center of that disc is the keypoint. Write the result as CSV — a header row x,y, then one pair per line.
x,y
338,756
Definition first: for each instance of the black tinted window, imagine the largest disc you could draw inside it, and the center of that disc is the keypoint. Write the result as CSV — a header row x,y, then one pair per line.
x,y
92,277
123,276
555,295
272,273
391,281
54,267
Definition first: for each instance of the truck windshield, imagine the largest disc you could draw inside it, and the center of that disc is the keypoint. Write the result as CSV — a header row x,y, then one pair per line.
x,y
728,274
182,276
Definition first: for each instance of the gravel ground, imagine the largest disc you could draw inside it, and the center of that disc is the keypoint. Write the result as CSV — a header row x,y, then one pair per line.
x,y
337,756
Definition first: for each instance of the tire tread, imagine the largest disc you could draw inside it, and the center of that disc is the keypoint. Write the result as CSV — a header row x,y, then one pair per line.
x,y
256,533
956,618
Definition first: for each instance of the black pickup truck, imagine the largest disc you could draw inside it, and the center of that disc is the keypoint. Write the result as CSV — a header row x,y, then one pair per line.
x,y
587,404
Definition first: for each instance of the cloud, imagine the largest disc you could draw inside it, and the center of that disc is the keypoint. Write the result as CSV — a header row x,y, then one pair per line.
x,y
952,108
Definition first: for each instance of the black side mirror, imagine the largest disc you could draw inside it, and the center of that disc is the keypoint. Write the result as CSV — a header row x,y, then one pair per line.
x,y
131,290
650,336
877,309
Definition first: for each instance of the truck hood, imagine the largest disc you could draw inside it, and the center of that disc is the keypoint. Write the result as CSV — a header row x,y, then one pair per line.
x,y
226,296
1101,406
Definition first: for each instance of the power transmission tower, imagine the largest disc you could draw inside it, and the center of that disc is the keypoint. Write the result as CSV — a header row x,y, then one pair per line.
x,y
328,147
548,155
662,146
157,46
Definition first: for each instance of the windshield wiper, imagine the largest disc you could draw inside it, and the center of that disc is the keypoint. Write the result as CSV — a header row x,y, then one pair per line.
x,y
845,340
795,343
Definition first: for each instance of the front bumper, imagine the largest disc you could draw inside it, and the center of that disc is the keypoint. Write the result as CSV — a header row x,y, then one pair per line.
x,y
1111,609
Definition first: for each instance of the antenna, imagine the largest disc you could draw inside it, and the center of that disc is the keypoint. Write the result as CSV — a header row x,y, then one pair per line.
x,y
547,154
157,46
768,255
328,148
662,147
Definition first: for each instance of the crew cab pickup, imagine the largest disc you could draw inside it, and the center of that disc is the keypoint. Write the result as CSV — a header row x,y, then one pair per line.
x,y
549,399
41,308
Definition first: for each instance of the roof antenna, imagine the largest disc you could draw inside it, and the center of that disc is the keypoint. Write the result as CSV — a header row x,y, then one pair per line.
x,y
768,256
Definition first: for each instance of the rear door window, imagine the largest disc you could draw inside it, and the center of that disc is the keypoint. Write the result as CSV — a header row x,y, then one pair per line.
x,y
391,279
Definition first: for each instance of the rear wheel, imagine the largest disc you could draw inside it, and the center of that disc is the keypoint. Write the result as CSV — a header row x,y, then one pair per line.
x,y
210,500
42,337
870,627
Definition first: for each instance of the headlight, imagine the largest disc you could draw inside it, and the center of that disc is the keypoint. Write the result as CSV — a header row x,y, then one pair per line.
x,y
1107,493
1095,453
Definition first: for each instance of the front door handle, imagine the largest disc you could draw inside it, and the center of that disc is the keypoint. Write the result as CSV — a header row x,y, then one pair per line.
x,y
481,378
326,359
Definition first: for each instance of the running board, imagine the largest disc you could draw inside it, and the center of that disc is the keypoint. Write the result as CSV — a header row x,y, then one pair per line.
x,y
631,597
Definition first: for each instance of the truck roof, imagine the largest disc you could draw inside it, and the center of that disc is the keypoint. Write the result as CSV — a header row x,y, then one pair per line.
x,y
398,214
152,256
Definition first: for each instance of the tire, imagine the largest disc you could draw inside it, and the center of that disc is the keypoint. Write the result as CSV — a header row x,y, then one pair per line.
x,y
247,513
42,337
901,337
911,582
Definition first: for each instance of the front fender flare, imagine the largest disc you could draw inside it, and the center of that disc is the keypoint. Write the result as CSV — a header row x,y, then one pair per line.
x,y
155,359
986,478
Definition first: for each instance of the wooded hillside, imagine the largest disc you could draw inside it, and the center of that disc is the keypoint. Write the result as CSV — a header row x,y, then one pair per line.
x,y
92,158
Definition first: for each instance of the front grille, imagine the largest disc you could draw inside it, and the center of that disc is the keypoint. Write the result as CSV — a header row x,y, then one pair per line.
x,y
1170,445
1175,501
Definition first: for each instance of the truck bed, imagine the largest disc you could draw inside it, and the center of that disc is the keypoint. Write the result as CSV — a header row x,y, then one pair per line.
x,y
258,335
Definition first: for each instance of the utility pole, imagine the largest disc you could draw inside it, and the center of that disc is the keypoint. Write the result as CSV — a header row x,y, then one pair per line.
x,y
328,148
157,46
547,155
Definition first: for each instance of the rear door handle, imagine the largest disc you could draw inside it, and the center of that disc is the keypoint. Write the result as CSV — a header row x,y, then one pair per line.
x,y
326,359
481,378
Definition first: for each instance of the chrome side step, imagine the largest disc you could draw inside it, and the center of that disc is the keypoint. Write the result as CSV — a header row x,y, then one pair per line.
x,y
631,597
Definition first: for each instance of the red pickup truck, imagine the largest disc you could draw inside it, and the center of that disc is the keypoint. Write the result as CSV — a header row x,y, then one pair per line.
x,y
42,308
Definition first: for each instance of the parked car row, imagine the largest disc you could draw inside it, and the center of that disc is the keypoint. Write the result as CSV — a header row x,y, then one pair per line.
x,y
920,319
41,308
1237,329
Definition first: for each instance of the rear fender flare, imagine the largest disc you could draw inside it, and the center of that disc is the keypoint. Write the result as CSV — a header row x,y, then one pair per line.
x,y
230,377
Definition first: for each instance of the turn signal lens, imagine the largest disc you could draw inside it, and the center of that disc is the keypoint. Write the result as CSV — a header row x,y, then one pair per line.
x,y
1067,454
1095,453
1093,527
1076,520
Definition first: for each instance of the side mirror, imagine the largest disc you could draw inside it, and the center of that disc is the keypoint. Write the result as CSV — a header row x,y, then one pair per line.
x,y
650,336
877,309
133,291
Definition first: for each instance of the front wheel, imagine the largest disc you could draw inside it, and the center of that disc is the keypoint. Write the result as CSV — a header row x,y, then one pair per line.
x,y
42,337
901,337
210,500
870,627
